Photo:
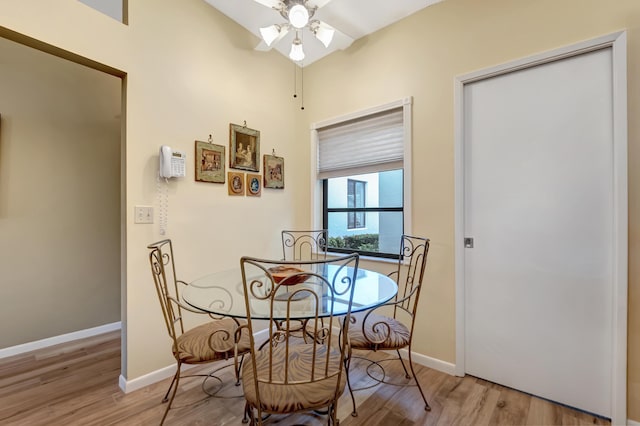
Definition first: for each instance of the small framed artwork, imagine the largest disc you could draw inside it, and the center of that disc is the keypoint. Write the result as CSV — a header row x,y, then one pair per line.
x,y
273,171
244,148
236,183
210,165
254,185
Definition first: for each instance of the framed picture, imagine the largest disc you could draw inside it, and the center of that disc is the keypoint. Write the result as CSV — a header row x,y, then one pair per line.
x,y
210,160
244,148
254,185
236,183
273,171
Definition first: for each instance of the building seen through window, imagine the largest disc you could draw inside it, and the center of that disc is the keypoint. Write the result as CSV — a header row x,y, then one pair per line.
x,y
365,212
355,198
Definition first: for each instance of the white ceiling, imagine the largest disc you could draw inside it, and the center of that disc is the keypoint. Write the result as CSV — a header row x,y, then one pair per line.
x,y
352,19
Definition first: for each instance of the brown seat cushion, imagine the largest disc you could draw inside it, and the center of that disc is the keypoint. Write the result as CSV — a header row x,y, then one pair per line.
x,y
399,335
299,394
195,347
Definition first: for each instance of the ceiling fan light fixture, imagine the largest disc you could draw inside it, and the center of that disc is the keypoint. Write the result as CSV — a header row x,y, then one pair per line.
x,y
296,53
324,33
298,16
270,33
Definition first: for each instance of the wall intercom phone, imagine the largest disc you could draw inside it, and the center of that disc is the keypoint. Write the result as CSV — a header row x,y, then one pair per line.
x,y
172,163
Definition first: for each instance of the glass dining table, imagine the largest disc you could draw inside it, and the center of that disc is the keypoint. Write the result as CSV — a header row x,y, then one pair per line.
x,y
222,293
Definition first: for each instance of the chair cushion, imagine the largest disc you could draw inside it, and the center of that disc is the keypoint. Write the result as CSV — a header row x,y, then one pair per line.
x,y
277,397
399,334
207,342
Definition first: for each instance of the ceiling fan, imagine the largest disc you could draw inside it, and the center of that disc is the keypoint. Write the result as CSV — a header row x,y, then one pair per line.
x,y
298,15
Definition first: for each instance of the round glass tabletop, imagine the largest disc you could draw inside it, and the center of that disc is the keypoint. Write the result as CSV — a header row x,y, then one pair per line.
x,y
222,293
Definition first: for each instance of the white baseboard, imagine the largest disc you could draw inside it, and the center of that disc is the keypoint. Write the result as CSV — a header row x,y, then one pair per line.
x,y
434,363
146,380
168,371
161,374
632,423
56,340
427,361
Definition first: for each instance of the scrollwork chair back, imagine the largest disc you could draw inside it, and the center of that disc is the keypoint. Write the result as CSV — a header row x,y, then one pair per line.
x,y
289,374
304,245
375,331
219,339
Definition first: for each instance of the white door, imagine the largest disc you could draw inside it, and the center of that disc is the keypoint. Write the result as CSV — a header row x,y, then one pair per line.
x,y
539,204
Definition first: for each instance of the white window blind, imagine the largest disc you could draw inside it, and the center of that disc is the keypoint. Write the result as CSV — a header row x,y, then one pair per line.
x,y
372,143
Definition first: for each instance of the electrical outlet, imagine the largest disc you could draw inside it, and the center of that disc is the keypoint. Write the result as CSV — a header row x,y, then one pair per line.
x,y
143,214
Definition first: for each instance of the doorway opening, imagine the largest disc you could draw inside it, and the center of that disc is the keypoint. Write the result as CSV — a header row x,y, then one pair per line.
x,y
62,144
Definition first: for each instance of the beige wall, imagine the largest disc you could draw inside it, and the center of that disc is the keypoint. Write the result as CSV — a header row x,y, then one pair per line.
x,y
59,196
191,72
420,57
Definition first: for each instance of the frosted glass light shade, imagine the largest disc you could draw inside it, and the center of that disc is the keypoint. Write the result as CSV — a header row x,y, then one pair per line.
x,y
324,33
296,54
298,16
270,33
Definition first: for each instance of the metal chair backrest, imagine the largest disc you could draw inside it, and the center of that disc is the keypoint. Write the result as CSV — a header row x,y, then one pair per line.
x,y
410,273
304,245
164,277
320,285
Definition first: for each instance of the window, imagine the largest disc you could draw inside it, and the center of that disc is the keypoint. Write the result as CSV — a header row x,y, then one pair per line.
x,y
355,198
362,169
373,227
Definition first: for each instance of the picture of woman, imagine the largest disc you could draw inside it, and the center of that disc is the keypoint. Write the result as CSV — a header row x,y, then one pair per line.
x,y
244,144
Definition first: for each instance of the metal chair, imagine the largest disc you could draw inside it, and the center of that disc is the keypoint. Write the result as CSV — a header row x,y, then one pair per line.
x,y
372,331
304,245
220,339
288,374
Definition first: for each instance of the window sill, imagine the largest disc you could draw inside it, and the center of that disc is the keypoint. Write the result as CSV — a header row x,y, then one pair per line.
x,y
367,258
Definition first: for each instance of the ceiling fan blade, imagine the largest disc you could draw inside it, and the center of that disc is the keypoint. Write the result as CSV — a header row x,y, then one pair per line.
x,y
317,3
274,4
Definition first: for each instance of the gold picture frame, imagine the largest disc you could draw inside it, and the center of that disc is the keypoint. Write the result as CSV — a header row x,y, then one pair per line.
x,y
244,148
210,162
254,185
236,183
273,169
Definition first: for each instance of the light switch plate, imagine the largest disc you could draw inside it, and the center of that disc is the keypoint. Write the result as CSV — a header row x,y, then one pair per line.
x,y
143,214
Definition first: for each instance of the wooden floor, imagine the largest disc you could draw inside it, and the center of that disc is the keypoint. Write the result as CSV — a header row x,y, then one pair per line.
x,y
77,384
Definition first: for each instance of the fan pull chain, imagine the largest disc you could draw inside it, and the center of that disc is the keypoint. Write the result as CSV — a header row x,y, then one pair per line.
x,y
295,87
302,78
302,87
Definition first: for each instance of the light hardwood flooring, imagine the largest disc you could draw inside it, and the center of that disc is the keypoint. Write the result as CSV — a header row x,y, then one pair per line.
x,y
77,384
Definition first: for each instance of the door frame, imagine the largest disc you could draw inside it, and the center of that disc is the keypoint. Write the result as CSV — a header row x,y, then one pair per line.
x,y
618,43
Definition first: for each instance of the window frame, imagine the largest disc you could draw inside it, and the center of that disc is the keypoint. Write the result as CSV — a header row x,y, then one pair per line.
x,y
325,222
319,215
352,185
